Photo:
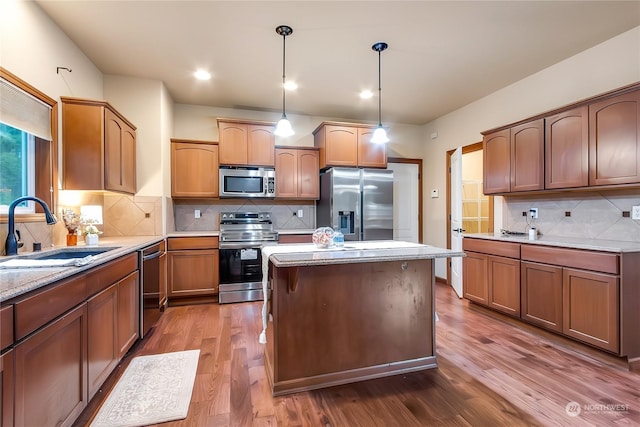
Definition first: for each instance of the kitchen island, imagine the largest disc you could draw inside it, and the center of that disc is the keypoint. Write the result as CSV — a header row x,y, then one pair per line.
x,y
344,315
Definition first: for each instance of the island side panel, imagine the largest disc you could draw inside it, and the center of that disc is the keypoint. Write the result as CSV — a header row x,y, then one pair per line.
x,y
334,324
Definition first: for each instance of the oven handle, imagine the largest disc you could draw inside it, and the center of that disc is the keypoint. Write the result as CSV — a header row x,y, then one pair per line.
x,y
239,245
152,256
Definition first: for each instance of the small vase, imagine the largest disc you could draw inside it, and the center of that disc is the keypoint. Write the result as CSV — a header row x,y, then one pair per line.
x,y
72,239
91,239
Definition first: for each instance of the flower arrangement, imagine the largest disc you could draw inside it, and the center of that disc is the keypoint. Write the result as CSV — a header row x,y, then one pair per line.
x,y
71,220
91,229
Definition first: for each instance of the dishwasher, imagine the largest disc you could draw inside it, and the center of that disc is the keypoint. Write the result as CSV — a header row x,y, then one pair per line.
x,y
153,289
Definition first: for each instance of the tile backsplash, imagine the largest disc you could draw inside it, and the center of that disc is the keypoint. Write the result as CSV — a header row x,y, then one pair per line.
x,y
596,215
282,213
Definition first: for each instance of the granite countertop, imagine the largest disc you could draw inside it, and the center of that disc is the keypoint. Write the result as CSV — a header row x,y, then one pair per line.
x,y
17,281
564,242
355,252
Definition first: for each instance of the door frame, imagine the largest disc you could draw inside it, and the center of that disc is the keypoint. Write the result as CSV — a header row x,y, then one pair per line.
x,y
465,149
419,163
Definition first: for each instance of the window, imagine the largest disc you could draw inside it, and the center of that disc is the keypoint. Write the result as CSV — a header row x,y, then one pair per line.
x,y
28,145
17,167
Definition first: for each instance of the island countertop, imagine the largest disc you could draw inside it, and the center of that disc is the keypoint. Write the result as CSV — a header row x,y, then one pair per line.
x,y
305,254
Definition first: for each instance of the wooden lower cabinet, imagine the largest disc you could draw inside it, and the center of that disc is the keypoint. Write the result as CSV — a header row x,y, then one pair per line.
x,y
128,313
57,353
591,308
113,317
7,383
101,322
294,238
541,295
503,280
474,280
193,273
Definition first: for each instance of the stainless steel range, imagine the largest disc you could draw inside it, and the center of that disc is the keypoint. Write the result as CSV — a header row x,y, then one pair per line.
x,y
241,235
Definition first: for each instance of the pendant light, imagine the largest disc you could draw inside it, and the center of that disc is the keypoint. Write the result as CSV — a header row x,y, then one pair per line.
x,y
379,135
283,128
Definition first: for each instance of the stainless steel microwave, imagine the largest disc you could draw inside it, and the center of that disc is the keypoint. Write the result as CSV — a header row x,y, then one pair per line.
x,y
236,181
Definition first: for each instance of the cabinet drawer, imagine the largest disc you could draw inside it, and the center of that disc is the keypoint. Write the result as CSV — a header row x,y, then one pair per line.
x,y
6,327
294,238
39,309
103,277
572,258
491,247
179,243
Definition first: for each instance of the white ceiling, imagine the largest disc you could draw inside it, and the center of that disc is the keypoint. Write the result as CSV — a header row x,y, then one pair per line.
x,y
441,56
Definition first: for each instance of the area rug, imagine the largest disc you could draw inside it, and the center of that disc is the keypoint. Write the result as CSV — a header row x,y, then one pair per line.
x,y
153,389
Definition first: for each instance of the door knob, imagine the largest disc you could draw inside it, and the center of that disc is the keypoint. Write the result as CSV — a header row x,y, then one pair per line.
x,y
459,230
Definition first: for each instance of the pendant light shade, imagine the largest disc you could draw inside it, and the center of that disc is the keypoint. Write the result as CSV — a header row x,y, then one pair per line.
x,y
380,134
283,128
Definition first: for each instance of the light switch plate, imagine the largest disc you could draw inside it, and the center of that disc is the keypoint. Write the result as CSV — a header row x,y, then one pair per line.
x,y
635,212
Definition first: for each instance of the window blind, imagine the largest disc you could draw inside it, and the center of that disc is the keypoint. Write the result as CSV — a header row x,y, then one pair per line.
x,y
23,111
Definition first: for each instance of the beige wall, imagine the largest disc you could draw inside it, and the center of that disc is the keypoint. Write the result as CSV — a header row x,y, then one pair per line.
x,y
607,66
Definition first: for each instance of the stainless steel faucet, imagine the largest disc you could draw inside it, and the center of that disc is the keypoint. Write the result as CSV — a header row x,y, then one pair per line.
x,y
11,244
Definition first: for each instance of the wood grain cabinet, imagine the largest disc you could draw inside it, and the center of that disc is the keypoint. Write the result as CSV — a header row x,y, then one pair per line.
x,y
294,238
492,275
7,392
243,142
541,293
347,144
591,308
297,173
194,169
192,267
113,327
567,149
514,159
50,372
614,140
98,147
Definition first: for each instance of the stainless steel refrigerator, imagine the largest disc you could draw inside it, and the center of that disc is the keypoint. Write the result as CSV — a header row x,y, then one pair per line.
x,y
358,202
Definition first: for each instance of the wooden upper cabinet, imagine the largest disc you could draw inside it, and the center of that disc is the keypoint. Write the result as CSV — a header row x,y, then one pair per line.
x,y
260,145
297,173
567,149
194,169
120,154
370,155
246,143
497,162
98,147
614,147
527,156
347,144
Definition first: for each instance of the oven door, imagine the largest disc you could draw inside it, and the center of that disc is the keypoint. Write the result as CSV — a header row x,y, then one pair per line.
x,y
240,275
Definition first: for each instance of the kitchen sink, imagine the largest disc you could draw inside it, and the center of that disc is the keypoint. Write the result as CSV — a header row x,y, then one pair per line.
x,y
69,253
63,257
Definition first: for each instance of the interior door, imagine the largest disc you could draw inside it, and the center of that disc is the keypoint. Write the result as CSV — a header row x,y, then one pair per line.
x,y
405,201
456,219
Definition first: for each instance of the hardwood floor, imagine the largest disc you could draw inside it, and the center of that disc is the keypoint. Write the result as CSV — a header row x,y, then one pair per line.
x,y
492,372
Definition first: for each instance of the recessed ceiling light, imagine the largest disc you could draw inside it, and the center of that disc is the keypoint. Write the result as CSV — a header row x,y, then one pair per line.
x,y
202,75
290,85
366,94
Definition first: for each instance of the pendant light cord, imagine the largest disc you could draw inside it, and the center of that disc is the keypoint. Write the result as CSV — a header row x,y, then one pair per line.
x,y
284,50
379,90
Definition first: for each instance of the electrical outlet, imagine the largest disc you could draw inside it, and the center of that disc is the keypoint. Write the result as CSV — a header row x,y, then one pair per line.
x,y
534,213
300,213
635,212
196,213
